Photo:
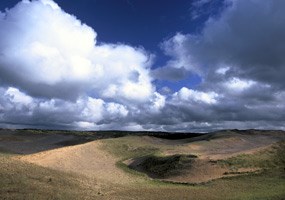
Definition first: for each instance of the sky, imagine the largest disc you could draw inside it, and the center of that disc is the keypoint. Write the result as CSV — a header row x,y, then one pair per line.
x,y
164,65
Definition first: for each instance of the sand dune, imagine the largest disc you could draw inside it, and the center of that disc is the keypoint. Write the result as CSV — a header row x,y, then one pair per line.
x,y
87,159
209,149
91,160
225,145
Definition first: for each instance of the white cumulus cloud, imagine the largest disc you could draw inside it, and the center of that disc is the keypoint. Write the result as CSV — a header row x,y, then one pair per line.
x,y
185,94
44,46
54,74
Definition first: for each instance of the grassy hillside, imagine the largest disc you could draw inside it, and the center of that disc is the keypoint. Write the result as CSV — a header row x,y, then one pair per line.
x,y
159,158
19,180
271,158
26,181
265,185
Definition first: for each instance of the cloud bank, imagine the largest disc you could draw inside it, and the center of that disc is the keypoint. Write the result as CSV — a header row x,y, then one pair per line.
x,y
239,56
51,68
53,74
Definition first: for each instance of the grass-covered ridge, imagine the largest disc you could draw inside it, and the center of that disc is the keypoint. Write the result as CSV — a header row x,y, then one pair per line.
x,y
267,159
159,156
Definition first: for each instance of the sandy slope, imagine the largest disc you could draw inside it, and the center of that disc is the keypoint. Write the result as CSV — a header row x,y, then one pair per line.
x,y
91,160
208,150
87,159
225,147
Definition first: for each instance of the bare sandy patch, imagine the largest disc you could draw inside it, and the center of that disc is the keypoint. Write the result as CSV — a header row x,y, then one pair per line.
x,y
87,159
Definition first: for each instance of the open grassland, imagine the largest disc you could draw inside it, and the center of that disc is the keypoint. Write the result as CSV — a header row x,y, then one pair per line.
x,y
27,181
20,180
145,167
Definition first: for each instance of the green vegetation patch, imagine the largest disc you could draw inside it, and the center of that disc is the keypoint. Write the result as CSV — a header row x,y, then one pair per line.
x,y
163,167
271,158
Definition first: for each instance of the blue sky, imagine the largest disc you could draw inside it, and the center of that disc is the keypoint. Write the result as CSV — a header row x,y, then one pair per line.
x,y
135,22
198,65
144,23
